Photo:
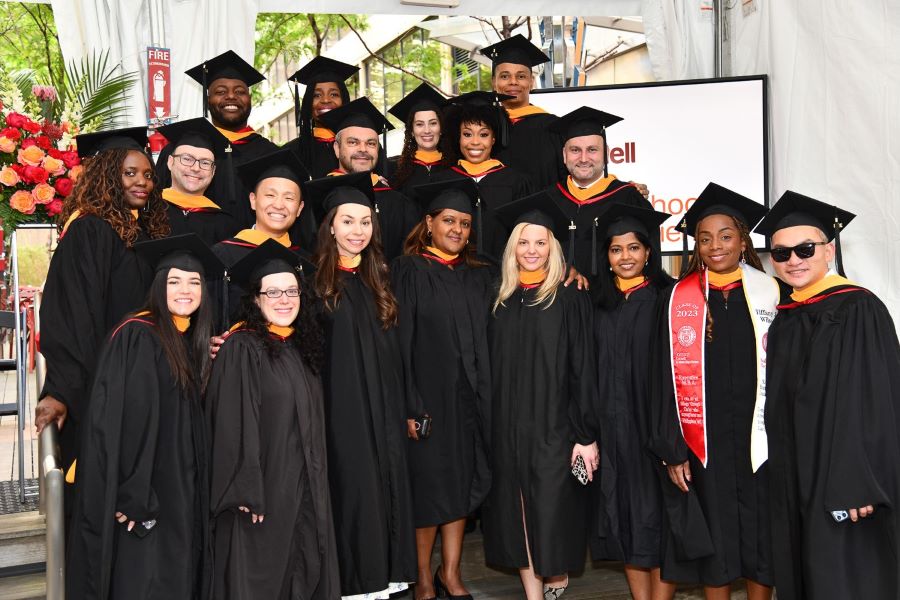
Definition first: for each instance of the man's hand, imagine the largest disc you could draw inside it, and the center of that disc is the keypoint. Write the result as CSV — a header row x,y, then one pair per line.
x,y
411,432
680,475
48,410
861,513
642,188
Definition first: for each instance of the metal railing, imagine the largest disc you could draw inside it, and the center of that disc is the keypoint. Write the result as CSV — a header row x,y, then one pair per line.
x,y
52,482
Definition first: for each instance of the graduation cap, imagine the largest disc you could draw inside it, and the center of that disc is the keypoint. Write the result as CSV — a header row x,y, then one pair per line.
x,y
282,163
423,97
130,138
456,194
186,252
197,132
793,210
268,258
484,99
358,113
620,219
516,50
539,209
227,65
718,200
585,121
330,192
320,69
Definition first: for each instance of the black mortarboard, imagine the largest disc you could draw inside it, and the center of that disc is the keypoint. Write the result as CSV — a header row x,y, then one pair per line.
x,y
793,210
330,192
456,194
226,65
268,258
539,209
358,113
718,200
130,138
321,69
186,252
516,50
423,97
280,163
195,132
479,97
585,121
620,219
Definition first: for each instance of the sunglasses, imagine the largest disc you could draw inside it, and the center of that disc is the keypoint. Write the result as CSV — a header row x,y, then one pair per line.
x,y
805,250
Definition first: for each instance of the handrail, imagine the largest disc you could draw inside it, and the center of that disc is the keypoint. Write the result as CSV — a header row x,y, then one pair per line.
x,y
52,506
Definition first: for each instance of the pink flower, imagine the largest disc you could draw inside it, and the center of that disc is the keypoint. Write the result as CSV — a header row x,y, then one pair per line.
x,y
31,155
7,146
46,93
54,166
31,127
16,120
23,202
43,193
54,208
63,186
35,175
12,133
9,177
70,158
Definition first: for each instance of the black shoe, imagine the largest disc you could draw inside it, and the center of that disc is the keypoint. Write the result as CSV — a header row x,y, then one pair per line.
x,y
441,591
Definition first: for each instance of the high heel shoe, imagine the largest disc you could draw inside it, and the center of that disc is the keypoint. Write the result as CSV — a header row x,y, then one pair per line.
x,y
441,591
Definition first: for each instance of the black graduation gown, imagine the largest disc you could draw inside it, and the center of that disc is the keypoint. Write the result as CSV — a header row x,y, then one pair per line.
x,y
496,189
535,150
832,418
584,214
92,282
267,434
420,174
630,505
719,530
544,384
226,186
397,216
210,224
229,252
365,422
144,455
443,317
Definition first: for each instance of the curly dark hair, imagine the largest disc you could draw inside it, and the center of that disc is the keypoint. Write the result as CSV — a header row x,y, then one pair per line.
x,y
458,115
373,271
99,192
417,241
309,336
405,165
696,262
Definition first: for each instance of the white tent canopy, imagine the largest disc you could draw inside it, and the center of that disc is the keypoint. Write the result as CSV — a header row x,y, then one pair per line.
x,y
834,69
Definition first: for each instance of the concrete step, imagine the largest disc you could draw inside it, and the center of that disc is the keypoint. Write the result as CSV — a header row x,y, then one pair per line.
x,y
22,539
23,587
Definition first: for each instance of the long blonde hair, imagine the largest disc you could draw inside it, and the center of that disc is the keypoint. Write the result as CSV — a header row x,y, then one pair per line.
x,y
556,269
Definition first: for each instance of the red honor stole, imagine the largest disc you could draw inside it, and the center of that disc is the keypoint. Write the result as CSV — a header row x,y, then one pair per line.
x,y
687,321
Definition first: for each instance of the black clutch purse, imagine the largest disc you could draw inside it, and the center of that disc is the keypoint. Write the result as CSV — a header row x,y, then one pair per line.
x,y
423,426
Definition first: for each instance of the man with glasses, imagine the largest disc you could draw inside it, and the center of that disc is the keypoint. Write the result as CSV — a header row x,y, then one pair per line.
x,y
832,417
196,148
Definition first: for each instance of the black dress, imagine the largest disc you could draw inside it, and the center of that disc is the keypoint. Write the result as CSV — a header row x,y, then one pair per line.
x,y
144,455
211,225
719,530
832,418
226,186
421,173
496,188
397,216
544,387
443,317
584,213
365,421
267,434
93,281
535,150
630,505
317,156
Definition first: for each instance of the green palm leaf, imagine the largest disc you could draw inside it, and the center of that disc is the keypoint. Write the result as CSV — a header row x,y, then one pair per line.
x,y
101,90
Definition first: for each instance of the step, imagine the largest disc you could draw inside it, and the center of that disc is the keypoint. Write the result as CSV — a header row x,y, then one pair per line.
x,y
24,587
22,539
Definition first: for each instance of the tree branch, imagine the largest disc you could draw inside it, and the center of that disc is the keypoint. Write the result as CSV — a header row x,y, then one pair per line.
x,y
316,32
489,23
390,64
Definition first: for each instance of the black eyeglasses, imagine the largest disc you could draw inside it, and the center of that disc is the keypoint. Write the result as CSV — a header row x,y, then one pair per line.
x,y
275,293
188,161
804,250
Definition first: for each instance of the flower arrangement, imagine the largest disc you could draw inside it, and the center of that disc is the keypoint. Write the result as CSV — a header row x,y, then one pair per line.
x,y
38,165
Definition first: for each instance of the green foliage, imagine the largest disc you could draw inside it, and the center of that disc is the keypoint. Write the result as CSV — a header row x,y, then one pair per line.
x,y
33,264
100,89
28,40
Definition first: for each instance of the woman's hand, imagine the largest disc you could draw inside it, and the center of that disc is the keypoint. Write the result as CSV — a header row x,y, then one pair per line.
x,y
580,280
122,518
215,342
255,518
680,475
590,454
411,432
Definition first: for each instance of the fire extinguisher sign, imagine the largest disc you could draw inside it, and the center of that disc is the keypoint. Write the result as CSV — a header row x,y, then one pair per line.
x,y
159,104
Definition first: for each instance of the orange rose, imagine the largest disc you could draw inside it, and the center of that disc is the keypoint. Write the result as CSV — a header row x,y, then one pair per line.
x,y
43,193
54,166
8,177
31,156
7,145
23,202
75,172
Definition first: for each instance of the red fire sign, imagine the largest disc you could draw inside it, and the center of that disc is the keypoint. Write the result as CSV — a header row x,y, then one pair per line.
x,y
159,103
